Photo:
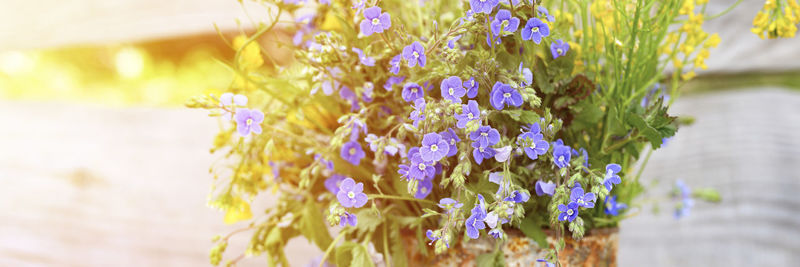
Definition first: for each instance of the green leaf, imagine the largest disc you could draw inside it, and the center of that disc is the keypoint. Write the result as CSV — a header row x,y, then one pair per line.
x,y
531,227
344,253
313,227
491,259
649,132
361,257
541,78
523,116
587,115
397,248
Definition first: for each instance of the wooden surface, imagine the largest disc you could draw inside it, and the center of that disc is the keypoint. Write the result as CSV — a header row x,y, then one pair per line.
x,y
93,186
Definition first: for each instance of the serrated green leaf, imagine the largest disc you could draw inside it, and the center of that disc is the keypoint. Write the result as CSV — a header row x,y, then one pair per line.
x,y
312,225
361,257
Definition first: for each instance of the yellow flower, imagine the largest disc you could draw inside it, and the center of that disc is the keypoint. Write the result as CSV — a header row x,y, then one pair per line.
x,y
699,61
712,41
238,211
688,76
249,57
687,7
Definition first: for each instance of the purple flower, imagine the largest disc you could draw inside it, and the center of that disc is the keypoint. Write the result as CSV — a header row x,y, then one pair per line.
x,y
394,64
452,140
434,147
504,22
611,177
248,121
526,74
546,263
452,89
685,195
328,164
412,91
432,236
375,21
485,136
483,6
356,128
391,81
503,94
534,30
424,188
561,155
475,221
365,60
472,87
480,153
542,188
452,42
449,205
347,94
496,233
559,48
333,183
229,101
348,218
569,212
350,194
543,12
471,112
532,143
583,200
517,197
612,207
352,152
414,54
419,111
420,169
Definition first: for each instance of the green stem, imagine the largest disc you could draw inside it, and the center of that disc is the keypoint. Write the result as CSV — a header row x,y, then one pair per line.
x,y
373,196
330,248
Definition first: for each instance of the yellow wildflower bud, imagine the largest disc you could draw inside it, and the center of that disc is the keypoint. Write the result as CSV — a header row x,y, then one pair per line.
x,y
712,41
687,7
688,76
700,60
249,57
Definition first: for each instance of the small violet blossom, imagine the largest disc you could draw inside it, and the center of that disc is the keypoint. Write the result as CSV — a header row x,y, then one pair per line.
x,y
483,6
352,152
543,12
534,30
248,121
559,48
612,207
561,155
348,218
419,111
611,177
452,89
424,188
546,263
527,75
545,188
533,143
375,21
517,197
504,95
485,136
452,140
333,183
364,59
420,169
391,81
472,87
568,212
394,64
480,153
502,154
434,147
414,54
412,92
471,112
229,101
504,23
583,200
475,221
351,194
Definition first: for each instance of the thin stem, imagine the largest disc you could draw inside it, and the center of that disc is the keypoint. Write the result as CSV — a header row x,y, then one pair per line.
x,y
330,248
373,196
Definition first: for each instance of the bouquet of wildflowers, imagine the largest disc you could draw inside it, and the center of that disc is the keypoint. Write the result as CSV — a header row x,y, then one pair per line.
x,y
447,121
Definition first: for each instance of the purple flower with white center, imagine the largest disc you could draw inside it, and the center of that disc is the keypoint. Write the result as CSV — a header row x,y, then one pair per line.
x,y
534,30
583,200
414,54
333,183
611,178
230,101
351,194
452,89
475,221
391,81
546,263
504,95
424,188
568,212
352,152
394,64
527,75
559,48
348,218
486,136
434,147
504,23
452,140
544,13
545,188
375,21
502,154
480,153
483,6
612,207
449,205
419,111
471,112
561,155
420,169
471,86
364,59
533,144
373,142
412,91
496,233
517,197
248,121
